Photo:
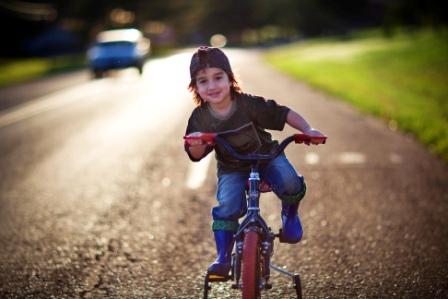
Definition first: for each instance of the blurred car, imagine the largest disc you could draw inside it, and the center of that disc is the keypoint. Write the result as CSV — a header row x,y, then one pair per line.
x,y
118,49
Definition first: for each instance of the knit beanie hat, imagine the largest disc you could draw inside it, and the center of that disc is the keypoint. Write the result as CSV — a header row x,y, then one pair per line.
x,y
209,57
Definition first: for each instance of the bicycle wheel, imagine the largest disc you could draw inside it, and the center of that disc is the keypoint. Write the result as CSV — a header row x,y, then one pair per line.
x,y
251,266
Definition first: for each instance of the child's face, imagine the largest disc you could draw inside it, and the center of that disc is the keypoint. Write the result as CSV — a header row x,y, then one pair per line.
x,y
213,85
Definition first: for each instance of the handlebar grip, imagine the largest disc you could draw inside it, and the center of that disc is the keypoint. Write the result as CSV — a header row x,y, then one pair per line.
x,y
307,139
208,138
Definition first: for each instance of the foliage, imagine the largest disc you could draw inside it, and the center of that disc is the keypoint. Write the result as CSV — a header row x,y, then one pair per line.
x,y
195,21
20,70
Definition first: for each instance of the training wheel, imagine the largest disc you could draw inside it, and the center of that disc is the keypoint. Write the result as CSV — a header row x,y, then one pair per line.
x,y
297,286
206,286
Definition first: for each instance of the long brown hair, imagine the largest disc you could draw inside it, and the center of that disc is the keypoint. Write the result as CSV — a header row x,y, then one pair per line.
x,y
235,89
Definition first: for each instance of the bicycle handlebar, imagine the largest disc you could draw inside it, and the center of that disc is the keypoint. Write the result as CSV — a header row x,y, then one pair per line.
x,y
212,138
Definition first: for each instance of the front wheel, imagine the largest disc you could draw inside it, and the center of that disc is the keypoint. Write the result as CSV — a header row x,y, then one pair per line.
x,y
251,266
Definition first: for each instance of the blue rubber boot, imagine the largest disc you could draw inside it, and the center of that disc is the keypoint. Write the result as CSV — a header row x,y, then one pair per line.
x,y
224,244
292,228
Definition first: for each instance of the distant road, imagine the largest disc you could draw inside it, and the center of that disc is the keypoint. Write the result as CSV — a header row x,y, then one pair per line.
x,y
20,93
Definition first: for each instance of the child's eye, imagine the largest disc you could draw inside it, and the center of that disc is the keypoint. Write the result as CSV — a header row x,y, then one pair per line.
x,y
202,81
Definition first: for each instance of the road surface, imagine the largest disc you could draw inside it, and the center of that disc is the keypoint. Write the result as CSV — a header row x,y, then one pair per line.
x,y
98,199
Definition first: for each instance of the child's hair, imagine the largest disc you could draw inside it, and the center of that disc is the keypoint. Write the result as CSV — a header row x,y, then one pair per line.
x,y
235,89
210,57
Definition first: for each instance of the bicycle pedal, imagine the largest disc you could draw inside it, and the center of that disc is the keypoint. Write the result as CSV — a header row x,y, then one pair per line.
x,y
215,277
279,235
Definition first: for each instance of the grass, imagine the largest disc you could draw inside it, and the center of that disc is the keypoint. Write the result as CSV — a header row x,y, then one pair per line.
x,y
19,70
402,79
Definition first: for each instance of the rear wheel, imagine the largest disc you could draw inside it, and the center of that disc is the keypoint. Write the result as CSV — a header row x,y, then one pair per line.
x,y
251,266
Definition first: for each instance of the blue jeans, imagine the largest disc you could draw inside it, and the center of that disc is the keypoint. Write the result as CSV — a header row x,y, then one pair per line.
x,y
279,173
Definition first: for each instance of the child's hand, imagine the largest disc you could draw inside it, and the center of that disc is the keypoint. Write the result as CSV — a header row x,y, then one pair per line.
x,y
314,133
194,139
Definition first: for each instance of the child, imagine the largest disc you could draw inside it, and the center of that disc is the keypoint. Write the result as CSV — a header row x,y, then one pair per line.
x,y
223,107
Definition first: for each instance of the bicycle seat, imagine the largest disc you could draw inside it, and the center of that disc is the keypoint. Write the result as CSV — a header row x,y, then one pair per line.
x,y
264,186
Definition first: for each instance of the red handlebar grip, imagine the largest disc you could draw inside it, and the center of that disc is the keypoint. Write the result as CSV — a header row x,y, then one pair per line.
x,y
208,138
307,139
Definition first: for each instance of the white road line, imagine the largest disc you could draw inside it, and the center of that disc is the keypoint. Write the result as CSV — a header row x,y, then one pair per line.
x,y
352,158
311,158
197,173
396,159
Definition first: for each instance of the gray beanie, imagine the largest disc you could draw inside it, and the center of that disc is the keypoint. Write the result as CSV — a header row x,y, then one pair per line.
x,y
209,57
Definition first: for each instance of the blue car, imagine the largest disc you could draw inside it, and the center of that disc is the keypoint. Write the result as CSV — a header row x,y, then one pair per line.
x,y
118,49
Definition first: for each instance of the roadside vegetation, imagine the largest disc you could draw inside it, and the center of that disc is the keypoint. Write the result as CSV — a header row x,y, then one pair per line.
x,y
23,69
402,78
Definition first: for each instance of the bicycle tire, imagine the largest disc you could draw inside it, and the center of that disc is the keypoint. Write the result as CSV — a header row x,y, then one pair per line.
x,y
251,266
298,286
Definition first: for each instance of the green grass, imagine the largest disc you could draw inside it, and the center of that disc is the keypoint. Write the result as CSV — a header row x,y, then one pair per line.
x,y
403,79
19,70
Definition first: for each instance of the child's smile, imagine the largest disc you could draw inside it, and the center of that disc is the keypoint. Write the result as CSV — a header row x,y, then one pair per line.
x,y
213,86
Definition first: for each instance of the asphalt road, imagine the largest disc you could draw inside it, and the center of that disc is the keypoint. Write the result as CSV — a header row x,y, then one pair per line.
x,y
95,199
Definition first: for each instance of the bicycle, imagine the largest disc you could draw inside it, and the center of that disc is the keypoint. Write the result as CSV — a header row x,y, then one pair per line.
x,y
254,240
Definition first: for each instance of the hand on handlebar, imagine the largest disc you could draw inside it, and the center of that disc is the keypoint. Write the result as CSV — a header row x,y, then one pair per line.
x,y
199,138
311,136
